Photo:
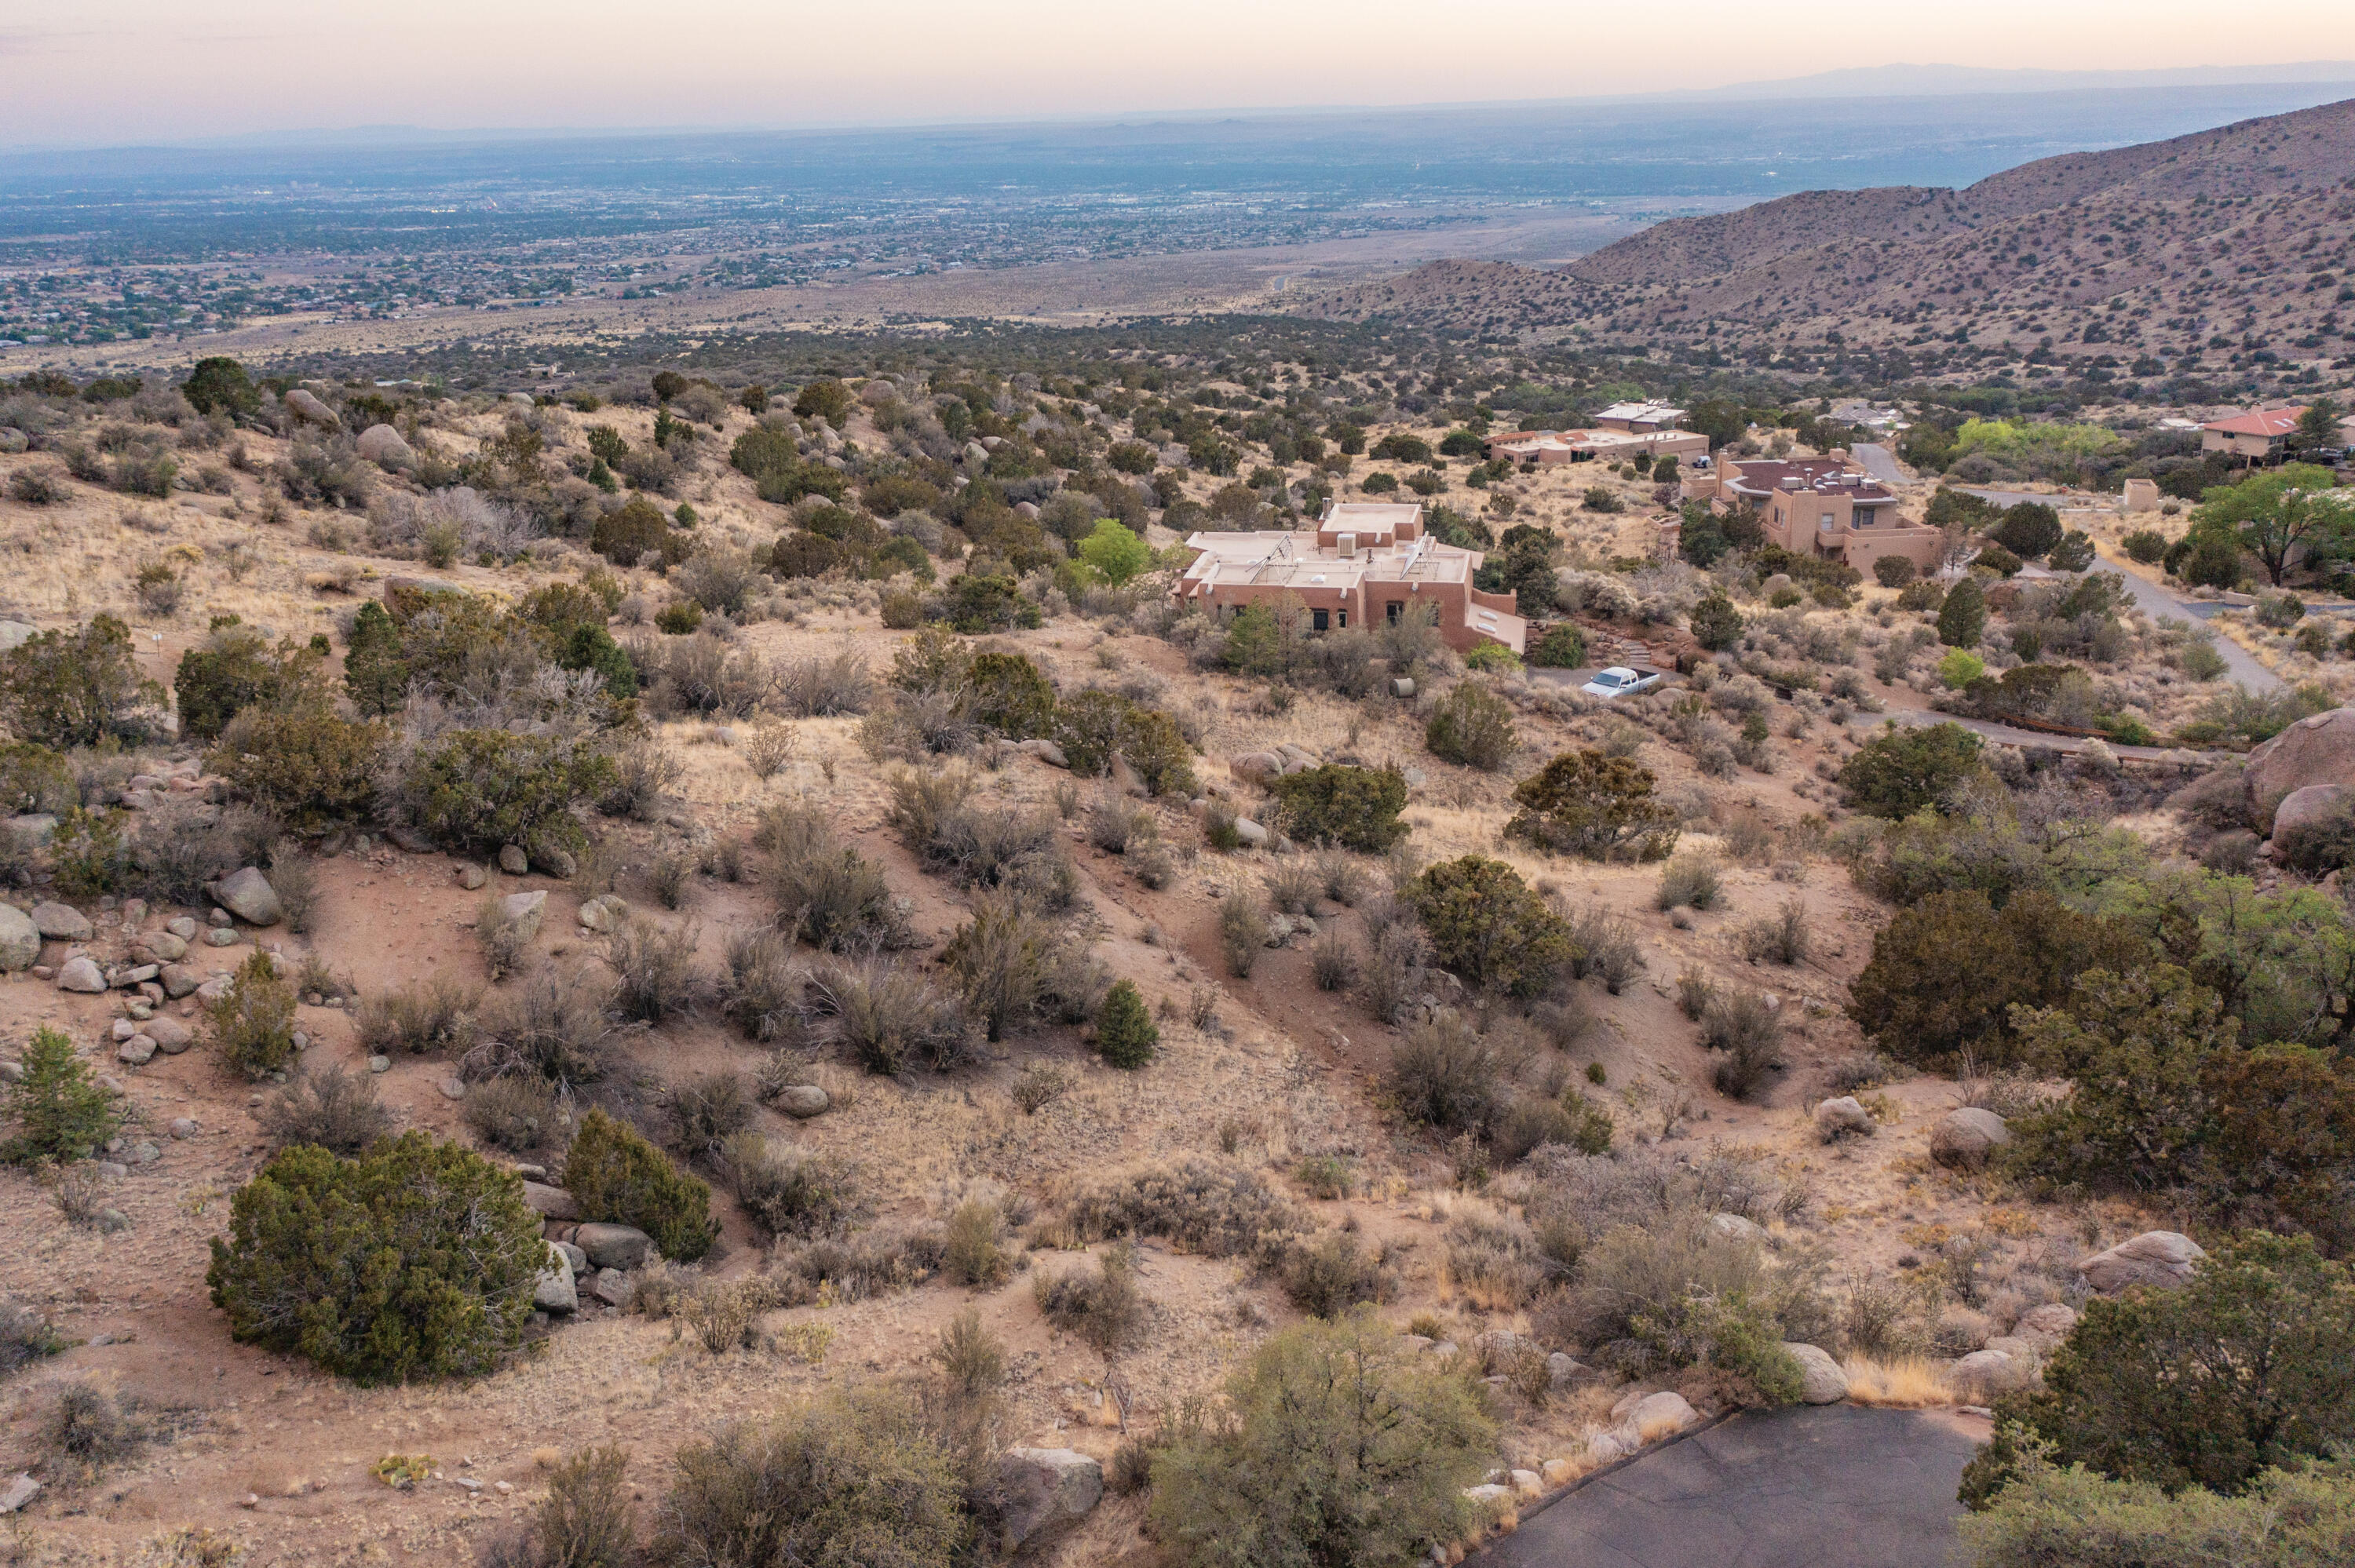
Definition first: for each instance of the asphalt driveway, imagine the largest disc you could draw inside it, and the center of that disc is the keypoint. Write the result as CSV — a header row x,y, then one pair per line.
x,y
1803,1488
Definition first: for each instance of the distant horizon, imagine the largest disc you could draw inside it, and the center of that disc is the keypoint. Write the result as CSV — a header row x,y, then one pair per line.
x,y
116,74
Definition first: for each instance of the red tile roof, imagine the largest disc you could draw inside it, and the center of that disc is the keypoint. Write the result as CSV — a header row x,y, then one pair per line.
x,y
2261,422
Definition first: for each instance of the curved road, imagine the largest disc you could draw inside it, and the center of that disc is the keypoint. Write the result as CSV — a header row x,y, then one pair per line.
x,y
1787,1488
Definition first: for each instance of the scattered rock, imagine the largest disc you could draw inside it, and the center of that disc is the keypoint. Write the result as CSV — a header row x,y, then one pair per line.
x,y
513,861
223,937
1964,1137
1045,1487
1257,766
1733,1227
12,1072
60,922
1491,1493
20,939
1250,833
556,862
554,1291
246,894
380,1064
2046,1326
524,911
171,1035
2161,1258
161,946
81,975
551,1203
1046,751
1527,1482
471,876
614,1246
1824,1381
1842,1117
136,1051
184,1127
1656,1416
17,1493
178,980
1567,1372
616,1288
803,1100
181,926
453,1088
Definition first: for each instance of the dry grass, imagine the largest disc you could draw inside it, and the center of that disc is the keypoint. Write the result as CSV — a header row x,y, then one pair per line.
x,y
1903,1382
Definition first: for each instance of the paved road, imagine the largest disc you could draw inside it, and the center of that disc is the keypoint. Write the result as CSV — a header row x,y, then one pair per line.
x,y
1789,1488
1879,461
2240,664
2015,497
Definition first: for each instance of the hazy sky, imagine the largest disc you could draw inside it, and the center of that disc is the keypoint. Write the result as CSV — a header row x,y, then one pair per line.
x,y
84,72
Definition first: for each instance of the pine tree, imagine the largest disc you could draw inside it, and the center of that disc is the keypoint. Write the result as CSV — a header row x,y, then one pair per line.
x,y
1125,1033
60,1114
1962,617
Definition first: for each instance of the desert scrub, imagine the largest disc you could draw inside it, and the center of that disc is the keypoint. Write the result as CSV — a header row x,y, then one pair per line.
x,y
416,1260
894,1018
617,1176
1488,926
659,978
1102,1306
1212,1209
827,893
791,1192
1017,968
66,689
62,1113
253,1020
1354,807
1126,1035
1334,1446
1327,1277
516,1114
326,1105
476,790
432,1015
1242,932
1442,1075
1474,726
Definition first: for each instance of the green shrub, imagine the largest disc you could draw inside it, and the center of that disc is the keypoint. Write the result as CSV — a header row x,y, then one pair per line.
x,y
973,603
1006,692
35,779
2250,1366
2028,530
88,853
1474,726
253,1020
416,1260
1094,726
2075,553
62,1113
618,1177
1945,971
477,789
63,689
1902,770
1962,615
2286,1518
1126,1035
1894,571
857,1480
1488,926
1356,808
2145,546
1336,1447
1532,1121
1715,623
219,384
1563,647
2168,1099
679,618
235,668
305,767
1587,804
635,530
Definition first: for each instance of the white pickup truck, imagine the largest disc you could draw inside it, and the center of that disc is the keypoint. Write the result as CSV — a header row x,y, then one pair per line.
x,y
1619,680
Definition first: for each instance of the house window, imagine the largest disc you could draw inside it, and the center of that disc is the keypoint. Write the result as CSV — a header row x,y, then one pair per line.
x,y
1824,522
1320,620
1393,610
1343,619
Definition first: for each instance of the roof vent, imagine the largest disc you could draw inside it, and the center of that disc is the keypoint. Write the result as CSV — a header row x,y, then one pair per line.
x,y
1349,543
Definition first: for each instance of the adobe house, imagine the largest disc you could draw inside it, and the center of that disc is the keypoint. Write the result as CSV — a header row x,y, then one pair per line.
x,y
1619,432
2261,433
1363,562
1819,506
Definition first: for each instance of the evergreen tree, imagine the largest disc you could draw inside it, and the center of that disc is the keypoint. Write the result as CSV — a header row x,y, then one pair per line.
x,y
1962,617
1125,1032
60,1113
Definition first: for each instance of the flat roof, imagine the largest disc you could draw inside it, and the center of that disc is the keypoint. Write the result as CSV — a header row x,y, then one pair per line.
x,y
1824,476
1641,411
1296,559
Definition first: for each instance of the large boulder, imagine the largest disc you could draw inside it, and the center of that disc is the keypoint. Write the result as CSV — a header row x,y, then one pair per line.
x,y
551,1203
20,939
2045,1326
1844,1118
307,407
1654,1416
1978,1377
802,1101
60,922
81,975
246,894
171,1035
1733,1227
614,1246
1045,1487
1822,1382
2161,1258
382,445
1965,1137
2316,750
524,912
554,1291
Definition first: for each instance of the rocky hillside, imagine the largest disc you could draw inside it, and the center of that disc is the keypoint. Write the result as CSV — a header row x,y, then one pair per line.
x,y
2223,241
